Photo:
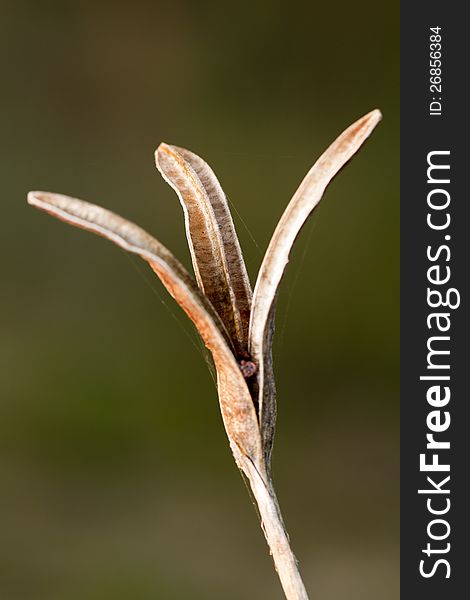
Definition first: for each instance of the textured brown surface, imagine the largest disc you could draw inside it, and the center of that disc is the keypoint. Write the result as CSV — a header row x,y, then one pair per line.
x,y
215,251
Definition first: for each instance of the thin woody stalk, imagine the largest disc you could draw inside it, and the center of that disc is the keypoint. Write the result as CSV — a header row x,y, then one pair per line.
x,y
278,541
236,325
276,536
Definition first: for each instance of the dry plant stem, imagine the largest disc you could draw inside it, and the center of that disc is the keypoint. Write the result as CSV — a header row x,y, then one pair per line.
x,y
235,327
278,542
276,535
236,404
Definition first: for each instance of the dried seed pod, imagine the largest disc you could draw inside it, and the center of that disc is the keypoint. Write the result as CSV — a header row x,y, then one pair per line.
x,y
215,251
220,307
236,405
304,201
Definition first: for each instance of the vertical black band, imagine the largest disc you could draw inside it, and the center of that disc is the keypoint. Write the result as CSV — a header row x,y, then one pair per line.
x,y
435,270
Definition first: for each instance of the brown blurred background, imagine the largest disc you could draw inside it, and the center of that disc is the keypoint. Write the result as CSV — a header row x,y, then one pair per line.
x,y
116,478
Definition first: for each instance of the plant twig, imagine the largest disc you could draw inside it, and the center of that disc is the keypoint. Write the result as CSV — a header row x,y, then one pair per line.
x,y
235,327
275,533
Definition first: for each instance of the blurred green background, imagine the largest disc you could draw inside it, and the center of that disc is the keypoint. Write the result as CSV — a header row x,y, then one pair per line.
x,y
116,477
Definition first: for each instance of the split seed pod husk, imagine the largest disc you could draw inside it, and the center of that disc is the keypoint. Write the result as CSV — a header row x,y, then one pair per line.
x,y
215,250
235,325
